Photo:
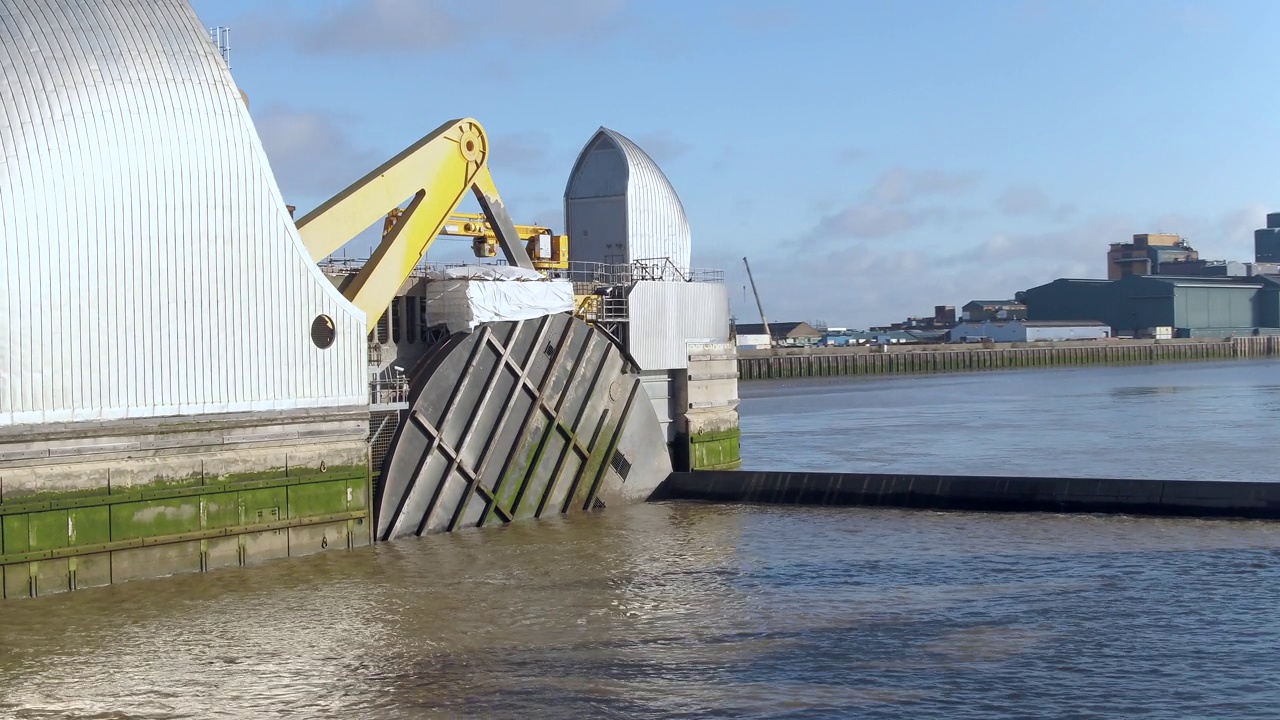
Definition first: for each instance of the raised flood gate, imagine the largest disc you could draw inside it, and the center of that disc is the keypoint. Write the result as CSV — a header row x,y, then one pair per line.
x,y
827,363
519,420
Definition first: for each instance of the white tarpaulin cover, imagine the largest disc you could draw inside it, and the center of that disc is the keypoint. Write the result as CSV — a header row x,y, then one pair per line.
x,y
464,297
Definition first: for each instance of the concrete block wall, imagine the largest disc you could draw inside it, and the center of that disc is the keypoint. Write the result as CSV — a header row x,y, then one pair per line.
x,y
85,504
707,426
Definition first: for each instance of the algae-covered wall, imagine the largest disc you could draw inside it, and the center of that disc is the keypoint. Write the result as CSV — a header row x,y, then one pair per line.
x,y
707,429
94,504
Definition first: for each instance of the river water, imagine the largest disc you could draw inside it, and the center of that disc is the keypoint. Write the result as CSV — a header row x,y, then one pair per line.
x,y
672,610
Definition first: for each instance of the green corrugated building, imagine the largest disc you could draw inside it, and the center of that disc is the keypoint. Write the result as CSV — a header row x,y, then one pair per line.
x,y
1192,306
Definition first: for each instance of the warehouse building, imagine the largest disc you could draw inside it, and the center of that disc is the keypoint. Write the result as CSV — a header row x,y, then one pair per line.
x,y
1136,305
979,310
784,333
1020,331
1148,254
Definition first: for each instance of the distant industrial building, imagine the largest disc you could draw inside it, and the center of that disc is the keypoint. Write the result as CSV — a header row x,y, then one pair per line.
x,y
786,333
883,336
1206,268
1029,331
1266,241
1146,254
1137,305
943,319
979,310
1217,268
754,342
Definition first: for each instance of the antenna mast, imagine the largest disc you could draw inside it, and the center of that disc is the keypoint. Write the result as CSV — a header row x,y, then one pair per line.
x,y
763,320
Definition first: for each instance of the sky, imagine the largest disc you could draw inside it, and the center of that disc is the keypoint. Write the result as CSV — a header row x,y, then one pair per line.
x,y
871,159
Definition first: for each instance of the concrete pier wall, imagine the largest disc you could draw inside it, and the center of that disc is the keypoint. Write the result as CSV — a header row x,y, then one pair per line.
x,y
95,503
1181,498
827,362
707,434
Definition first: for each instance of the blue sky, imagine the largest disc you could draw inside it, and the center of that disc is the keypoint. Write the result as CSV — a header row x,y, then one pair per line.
x,y
872,159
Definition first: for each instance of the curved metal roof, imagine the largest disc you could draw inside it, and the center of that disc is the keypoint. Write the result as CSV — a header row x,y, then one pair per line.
x,y
148,264
611,165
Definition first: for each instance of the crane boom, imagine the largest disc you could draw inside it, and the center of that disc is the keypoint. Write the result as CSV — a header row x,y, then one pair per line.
x,y
763,320
436,172
546,249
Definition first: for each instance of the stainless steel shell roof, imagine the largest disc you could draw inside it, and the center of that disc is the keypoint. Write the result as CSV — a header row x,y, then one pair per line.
x,y
620,206
148,265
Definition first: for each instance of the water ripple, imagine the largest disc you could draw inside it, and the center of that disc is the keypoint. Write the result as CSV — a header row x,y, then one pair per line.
x,y
688,611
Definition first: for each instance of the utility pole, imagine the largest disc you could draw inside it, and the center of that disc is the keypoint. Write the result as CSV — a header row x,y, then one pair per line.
x,y
763,320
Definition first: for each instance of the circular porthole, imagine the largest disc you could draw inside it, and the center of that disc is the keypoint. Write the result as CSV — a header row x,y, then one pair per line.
x,y
323,332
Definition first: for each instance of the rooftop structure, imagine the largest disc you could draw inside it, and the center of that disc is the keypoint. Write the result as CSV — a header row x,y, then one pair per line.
x,y
620,208
783,333
1030,331
1193,306
1266,241
1146,254
978,310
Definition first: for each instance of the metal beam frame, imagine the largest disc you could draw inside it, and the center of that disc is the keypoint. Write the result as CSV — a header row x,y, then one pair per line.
x,y
434,174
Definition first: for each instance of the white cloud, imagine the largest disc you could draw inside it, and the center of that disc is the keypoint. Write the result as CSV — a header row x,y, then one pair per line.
x,y
871,221
1028,200
399,27
761,19
900,185
851,155
663,146
891,206
1226,236
526,153
311,156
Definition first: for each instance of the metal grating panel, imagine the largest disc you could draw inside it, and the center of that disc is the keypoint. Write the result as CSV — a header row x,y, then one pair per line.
x,y
382,428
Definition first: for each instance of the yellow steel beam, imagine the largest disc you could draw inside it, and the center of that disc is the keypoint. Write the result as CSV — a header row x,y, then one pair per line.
x,y
499,221
485,242
442,165
436,173
473,225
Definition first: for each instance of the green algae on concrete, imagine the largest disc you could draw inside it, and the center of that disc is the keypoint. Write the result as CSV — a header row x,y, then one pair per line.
x,y
721,450
58,541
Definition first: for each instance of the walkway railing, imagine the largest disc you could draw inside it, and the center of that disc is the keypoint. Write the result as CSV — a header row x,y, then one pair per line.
x,y
593,273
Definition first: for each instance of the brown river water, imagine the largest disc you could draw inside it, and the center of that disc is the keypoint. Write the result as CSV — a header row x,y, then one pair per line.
x,y
690,610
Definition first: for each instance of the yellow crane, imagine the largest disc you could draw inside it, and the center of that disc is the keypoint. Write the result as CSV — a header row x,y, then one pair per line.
x,y
434,174
546,249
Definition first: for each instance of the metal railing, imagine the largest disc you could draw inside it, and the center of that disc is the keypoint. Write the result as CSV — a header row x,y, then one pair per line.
x,y
589,273
615,274
601,309
388,390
